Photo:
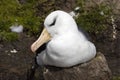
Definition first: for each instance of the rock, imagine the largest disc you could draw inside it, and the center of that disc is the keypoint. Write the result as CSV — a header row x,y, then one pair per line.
x,y
16,28
96,69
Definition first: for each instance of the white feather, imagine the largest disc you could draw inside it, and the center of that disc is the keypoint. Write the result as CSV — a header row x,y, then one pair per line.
x,y
68,46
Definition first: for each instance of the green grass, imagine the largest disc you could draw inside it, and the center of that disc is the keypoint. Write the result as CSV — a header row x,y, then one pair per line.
x,y
32,13
116,78
12,12
94,19
8,36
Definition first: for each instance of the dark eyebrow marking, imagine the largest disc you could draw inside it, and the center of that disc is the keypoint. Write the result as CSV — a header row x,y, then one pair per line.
x,y
53,23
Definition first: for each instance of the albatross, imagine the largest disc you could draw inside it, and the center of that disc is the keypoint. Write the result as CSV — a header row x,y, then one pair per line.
x,y
64,44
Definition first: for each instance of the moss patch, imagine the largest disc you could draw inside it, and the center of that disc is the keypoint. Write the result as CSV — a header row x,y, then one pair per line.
x,y
12,12
116,78
8,36
93,19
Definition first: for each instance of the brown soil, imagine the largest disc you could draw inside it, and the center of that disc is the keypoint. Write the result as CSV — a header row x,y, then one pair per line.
x,y
14,66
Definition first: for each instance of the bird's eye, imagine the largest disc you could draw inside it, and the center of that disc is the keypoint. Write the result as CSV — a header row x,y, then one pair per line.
x,y
53,23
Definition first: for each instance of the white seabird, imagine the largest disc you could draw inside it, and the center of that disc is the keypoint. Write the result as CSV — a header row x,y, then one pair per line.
x,y
66,45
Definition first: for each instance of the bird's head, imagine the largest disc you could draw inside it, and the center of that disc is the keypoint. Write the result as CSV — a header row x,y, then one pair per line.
x,y
59,22
56,23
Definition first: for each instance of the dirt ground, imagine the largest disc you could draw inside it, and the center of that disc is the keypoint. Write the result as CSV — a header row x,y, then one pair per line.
x,y
110,48
14,66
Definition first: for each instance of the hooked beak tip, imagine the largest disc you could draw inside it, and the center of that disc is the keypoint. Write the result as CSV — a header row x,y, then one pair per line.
x,y
44,37
32,48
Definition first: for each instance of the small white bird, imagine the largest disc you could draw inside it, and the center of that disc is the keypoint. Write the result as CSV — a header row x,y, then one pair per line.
x,y
66,45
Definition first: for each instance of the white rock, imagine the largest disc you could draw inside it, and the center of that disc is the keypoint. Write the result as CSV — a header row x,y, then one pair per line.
x,y
77,8
72,13
17,28
102,13
75,12
14,51
9,54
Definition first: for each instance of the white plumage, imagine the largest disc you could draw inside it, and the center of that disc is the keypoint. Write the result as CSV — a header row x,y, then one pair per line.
x,y
67,46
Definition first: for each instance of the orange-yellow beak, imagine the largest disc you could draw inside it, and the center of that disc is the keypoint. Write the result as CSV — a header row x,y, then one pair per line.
x,y
44,37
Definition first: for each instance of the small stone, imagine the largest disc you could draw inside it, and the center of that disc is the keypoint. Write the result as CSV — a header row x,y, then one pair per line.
x,y
16,28
102,13
14,51
72,13
9,54
6,51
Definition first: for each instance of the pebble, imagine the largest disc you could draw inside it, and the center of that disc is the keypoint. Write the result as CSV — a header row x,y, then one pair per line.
x,y
17,28
13,51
